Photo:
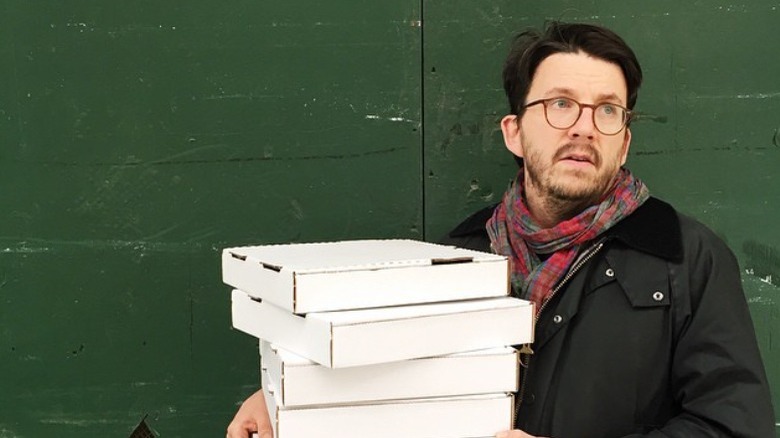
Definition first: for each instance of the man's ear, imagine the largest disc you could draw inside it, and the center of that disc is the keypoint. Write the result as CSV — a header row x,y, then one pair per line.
x,y
626,146
510,127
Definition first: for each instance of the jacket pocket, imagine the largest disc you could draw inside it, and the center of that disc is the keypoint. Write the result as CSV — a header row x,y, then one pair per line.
x,y
644,279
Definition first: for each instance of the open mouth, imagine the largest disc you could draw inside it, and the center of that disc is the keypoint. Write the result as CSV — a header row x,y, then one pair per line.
x,y
578,155
578,158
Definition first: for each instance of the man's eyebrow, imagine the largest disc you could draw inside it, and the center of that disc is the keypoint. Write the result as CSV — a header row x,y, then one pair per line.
x,y
609,97
568,92
559,91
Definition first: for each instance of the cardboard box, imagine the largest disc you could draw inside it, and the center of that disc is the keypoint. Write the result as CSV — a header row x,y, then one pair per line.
x,y
369,336
301,382
318,277
446,417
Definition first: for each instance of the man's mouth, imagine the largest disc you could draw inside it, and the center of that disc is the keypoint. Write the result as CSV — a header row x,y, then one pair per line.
x,y
579,158
578,155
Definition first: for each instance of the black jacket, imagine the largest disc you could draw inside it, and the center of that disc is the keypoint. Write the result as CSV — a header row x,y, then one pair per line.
x,y
651,336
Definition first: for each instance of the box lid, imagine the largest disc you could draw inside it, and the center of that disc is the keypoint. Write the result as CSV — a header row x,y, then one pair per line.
x,y
359,274
369,336
352,255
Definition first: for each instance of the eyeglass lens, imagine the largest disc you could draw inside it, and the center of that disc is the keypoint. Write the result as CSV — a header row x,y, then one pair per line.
x,y
563,113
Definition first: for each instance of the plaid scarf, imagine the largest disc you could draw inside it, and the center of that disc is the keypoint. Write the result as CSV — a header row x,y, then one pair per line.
x,y
513,233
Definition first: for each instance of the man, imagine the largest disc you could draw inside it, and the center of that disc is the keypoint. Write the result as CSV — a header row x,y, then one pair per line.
x,y
642,326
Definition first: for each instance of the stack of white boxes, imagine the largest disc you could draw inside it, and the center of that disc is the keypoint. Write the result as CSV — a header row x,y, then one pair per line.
x,y
381,338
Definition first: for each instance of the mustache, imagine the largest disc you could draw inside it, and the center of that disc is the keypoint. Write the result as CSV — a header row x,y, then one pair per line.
x,y
586,150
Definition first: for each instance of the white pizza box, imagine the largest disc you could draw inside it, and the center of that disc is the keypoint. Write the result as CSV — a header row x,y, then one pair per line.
x,y
445,417
369,336
301,382
318,277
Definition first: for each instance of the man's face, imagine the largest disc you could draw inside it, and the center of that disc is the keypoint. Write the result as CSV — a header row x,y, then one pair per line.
x,y
576,164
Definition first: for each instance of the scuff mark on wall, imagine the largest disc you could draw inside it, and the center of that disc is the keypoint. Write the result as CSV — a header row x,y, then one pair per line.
x,y
639,117
247,159
763,262
296,209
23,245
391,119
7,433
485,128
22,248
242,96
761,300
740,96
476,190
83,422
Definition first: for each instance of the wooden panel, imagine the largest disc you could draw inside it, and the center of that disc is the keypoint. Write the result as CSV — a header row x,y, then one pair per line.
x,y
140,138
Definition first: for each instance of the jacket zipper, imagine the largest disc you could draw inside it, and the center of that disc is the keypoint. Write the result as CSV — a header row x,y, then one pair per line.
x,y
526,350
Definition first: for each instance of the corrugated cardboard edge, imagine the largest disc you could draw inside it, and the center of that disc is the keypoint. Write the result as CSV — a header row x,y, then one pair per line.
x,y
295,292
271,404
518,368
354,341
398,264
363,289
512,412
510,292
282,372
437,315
332,335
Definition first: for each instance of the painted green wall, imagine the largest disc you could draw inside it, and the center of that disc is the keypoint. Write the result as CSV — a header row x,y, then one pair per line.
x,y
139,138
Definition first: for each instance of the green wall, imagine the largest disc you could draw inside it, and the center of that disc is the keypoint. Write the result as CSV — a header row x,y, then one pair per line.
x,y
139,138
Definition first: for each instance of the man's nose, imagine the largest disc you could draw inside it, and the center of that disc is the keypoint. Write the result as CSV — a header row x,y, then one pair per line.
x,y
584,126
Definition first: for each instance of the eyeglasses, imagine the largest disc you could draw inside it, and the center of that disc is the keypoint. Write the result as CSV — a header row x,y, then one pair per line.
x,y
563,113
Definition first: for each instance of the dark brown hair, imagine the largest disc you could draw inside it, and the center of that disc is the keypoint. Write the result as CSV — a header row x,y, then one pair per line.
x,y
531,47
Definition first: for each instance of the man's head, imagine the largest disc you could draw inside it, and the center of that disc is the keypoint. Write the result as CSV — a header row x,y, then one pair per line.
x,y
531,47
569,90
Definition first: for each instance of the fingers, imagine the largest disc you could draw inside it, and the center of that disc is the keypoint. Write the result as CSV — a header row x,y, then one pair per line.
x,y
264,430
514,434
237,433
251,417
240,430
248,430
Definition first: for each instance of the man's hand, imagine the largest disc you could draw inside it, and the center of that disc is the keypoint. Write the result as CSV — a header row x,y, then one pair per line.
x,y
252,416
514,434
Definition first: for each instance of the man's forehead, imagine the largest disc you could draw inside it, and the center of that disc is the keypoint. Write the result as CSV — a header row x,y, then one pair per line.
x,y
578,75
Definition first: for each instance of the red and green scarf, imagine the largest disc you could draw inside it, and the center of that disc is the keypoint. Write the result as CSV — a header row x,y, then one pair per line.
x,y
513,233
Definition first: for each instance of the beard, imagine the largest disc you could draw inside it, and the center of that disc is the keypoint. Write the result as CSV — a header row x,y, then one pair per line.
x,y
573,187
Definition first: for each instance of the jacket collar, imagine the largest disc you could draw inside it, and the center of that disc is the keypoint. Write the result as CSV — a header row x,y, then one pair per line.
x,y
653,228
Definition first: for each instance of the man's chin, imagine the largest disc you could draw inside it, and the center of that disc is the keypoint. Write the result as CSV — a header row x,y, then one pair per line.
x,y
577,193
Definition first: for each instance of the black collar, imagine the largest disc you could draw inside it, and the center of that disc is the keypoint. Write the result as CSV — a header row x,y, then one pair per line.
x,y
653,228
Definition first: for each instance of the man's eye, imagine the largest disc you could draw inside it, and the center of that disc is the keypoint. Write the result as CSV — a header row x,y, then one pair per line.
x,y
561,103
608,110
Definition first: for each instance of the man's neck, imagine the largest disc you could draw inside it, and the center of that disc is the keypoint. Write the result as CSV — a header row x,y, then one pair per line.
x,y
550,211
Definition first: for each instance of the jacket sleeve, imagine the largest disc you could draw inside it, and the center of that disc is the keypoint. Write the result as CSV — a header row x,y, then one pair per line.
x,y
717,374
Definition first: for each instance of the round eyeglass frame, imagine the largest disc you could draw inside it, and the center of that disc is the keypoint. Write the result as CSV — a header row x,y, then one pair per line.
x,y
626,118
